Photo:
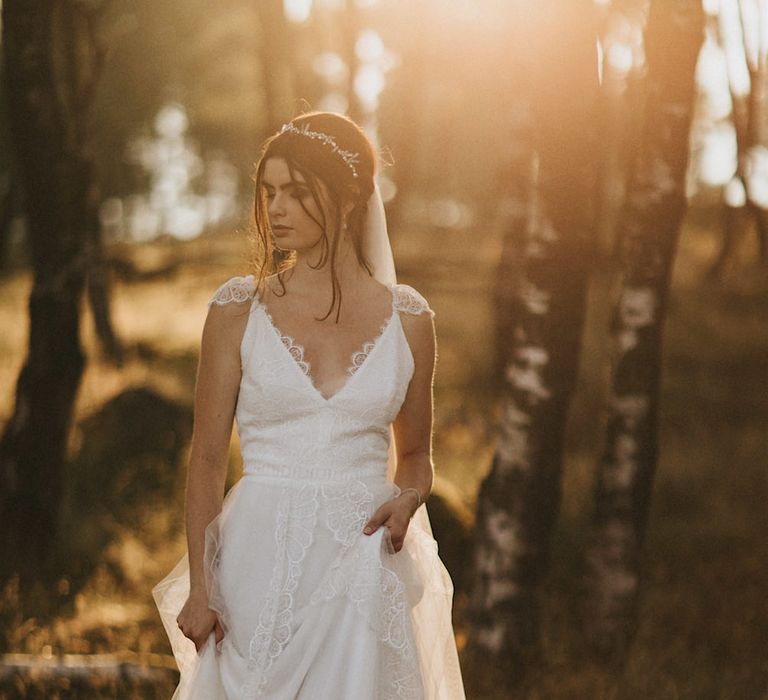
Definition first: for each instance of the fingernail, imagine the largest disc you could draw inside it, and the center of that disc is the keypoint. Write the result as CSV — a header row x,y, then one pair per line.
x,y
368,530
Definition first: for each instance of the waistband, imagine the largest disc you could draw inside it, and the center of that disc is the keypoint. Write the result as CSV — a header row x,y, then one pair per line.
x,y
306,474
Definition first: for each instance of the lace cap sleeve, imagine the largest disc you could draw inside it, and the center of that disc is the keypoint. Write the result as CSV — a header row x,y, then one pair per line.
x,y
410,301
235,289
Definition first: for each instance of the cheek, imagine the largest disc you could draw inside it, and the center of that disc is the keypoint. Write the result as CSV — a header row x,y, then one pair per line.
x,y
308,214
313,210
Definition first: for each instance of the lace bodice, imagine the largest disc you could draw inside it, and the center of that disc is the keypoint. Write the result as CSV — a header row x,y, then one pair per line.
x,y
278,396
404,299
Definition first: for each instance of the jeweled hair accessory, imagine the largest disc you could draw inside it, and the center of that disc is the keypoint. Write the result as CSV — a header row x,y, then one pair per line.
x,y
347,156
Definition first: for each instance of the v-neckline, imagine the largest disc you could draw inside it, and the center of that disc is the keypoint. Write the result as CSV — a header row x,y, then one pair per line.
x,y
365,350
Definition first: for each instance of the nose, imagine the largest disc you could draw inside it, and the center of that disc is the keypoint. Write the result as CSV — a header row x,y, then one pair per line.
x,y
276,206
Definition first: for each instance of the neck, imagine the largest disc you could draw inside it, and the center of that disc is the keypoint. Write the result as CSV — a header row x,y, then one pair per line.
x,y
307,278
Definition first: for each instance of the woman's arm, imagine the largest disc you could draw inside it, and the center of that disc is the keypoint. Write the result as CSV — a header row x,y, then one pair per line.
x,y
413,424
218,382
413,433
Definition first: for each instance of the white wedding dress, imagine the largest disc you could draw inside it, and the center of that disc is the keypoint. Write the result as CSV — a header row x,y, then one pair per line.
x,y
314,609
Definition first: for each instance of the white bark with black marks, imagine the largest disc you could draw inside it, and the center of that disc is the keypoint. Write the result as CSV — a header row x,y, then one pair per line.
x,y
541,297
649,228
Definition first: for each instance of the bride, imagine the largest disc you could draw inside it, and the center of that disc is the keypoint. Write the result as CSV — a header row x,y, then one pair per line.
x,y
317,576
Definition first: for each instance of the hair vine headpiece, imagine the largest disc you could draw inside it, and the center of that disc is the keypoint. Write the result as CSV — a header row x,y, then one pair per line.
x,y
347,156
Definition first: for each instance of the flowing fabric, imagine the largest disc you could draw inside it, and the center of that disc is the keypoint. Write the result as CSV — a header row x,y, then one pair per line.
x,y
312,608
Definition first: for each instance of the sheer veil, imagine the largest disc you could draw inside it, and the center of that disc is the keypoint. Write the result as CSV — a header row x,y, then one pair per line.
x,y
378,251
432,612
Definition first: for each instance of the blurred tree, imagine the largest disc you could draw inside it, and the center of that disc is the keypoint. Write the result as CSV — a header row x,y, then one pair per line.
x,y
648,233
555,49
620,97
51,67
351,30
11,204
746,195
276,56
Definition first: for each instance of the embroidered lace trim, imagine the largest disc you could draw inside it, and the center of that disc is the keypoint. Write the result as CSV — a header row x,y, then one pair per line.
x,y
357,573
361,577
235,289
297,351
410,301
239,289
404,299
294,528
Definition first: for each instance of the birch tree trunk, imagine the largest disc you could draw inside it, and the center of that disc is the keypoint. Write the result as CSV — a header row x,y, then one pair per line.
x,y
516,196
649,228
519,499
55,179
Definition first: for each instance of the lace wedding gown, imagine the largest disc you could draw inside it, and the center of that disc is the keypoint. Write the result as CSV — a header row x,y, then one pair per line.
x,y
313,608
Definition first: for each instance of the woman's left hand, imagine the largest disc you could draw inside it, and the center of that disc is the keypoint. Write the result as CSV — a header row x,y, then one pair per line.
x,y
395,515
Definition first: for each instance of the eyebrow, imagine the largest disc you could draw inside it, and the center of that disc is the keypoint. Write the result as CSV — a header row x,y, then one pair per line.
x,y
287,186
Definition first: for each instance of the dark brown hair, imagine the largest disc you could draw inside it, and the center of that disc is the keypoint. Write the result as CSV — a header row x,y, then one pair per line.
x,y
316,161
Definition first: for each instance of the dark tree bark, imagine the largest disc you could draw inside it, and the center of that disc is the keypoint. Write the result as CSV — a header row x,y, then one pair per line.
x,y
519,499
98,282
11,206
46,99
648,232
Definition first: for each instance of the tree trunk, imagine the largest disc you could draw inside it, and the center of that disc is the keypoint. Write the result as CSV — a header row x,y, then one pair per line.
x,y
519,499
275,58
97,283
648,232
517,197
55,179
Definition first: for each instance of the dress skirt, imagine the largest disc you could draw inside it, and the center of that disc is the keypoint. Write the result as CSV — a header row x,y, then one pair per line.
x,y
313,608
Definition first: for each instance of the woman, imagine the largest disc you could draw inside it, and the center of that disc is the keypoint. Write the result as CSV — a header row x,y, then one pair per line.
x,y
317,576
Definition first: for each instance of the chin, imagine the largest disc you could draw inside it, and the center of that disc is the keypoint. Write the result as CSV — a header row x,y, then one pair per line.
x,y
295,243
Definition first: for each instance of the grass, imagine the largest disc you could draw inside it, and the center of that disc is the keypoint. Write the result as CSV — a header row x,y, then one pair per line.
x,y
704,615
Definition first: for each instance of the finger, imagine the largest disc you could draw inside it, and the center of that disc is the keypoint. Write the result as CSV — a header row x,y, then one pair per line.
x,y
218,631
388,542
201,642
378,518
398,533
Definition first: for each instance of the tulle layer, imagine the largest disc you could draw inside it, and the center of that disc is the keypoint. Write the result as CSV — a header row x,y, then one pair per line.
x,y
312,607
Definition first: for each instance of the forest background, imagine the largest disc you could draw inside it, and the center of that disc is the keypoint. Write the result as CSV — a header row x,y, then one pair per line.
x,y
160,109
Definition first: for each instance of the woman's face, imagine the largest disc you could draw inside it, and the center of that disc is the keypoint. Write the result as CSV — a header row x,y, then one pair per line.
x,y
293,214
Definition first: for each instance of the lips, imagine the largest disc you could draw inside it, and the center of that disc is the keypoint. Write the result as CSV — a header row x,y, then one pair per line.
x,y
280,227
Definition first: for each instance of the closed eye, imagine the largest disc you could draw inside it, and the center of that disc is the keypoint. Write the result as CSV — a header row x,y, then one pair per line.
x,y
297,192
